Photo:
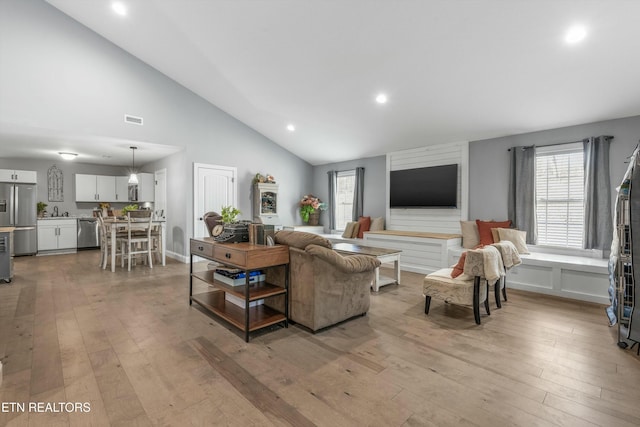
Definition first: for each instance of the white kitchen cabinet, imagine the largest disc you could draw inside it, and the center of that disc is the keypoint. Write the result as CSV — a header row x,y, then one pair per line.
x,y
57,234
106,188
95,188
18,176
146,187
86,188
122,188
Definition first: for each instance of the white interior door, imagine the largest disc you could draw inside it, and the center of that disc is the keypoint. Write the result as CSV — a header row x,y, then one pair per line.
x,y
160,193
213,188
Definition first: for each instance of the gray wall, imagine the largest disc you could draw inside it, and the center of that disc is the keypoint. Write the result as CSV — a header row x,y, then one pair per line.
x,y
375,179
58,75
489,160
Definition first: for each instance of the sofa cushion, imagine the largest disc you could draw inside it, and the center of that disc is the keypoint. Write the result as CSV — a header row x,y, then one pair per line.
x,y
300,239
347,264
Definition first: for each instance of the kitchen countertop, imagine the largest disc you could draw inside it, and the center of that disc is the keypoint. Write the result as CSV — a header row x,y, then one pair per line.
x,y
58,217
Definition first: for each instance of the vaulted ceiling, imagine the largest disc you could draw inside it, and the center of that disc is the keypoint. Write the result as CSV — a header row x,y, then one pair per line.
x,y
451,70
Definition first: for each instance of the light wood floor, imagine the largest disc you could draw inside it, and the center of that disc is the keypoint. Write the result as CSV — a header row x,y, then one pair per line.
x,y
129,344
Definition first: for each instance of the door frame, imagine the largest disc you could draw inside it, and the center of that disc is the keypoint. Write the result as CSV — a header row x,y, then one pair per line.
x,y
160,173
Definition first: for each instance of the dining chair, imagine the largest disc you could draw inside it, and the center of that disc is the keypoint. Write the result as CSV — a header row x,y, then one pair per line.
x,y
156,241
138,241
105,241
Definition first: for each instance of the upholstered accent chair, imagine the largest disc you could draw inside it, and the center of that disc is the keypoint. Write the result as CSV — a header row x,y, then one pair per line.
x,y
481,267
325,287
510,258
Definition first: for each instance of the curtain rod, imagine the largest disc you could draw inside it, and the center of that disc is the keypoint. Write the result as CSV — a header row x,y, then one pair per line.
x,y
557,143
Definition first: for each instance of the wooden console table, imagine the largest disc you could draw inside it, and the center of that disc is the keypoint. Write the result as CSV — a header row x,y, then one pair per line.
x,y
246,257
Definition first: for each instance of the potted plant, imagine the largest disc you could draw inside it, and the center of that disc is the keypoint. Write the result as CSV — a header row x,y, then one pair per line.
x,y
229,214
41,208
128,208
310,206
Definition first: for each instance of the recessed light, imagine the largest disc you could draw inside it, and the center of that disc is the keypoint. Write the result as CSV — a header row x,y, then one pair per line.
x,y
68,156
575,34
291,127
119,8
381,98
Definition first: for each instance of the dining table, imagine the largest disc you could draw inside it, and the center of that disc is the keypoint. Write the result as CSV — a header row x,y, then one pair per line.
x,y
114,225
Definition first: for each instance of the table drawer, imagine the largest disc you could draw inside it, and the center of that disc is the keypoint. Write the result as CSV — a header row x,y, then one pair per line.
x,y
205,249
230,255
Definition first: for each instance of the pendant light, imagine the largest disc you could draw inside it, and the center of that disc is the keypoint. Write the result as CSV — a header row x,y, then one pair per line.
x,y
133,178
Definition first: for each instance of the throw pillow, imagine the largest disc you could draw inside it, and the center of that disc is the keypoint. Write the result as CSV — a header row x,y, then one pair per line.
x,y
365,224
494,235
356,228
484,229
458,269
377,224
470,235
517,237
350,230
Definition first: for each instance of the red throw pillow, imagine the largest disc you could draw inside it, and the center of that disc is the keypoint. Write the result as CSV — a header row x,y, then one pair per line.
x,y
459,267
365,224
484,230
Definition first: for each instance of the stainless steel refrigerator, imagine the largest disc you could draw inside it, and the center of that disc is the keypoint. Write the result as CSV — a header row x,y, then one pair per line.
x,y
18,209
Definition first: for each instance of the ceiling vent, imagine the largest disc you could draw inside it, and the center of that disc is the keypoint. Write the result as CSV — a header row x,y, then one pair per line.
x,y
133,120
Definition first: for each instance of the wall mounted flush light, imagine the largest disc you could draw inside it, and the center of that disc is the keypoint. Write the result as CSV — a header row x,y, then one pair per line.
x,y
68,156
381,98
291,127
575,34
119,8
133,178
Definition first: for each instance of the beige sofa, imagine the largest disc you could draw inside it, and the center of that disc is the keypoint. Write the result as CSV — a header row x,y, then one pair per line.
x,y
325,287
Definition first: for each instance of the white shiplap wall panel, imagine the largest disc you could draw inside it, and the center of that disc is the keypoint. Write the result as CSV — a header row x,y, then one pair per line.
x,y
433,219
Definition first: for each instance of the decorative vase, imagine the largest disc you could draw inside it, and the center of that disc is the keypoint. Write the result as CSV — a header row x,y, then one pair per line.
x,y
105,212
314,218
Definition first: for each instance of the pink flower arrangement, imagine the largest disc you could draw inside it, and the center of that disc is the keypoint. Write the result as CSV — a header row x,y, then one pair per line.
x,y
310,204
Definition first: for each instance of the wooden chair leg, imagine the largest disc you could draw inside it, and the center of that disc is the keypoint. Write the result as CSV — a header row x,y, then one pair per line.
x,y
486,299
476,299
427,303
504,289
150,254
497,292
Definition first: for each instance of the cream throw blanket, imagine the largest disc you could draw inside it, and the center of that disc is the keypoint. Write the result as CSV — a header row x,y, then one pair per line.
x,y
492,263
510,255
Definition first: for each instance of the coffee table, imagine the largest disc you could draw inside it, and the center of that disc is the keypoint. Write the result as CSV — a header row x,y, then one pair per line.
x,y
384,255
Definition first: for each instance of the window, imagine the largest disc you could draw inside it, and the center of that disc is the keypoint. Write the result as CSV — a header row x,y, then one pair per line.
x,y
345,185
560,195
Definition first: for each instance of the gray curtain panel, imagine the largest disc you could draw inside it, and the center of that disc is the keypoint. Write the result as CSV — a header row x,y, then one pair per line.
x,y
358,195
522,194
598,225
332,200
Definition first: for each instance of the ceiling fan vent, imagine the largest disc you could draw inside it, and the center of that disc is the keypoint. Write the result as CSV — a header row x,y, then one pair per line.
x,y
133,120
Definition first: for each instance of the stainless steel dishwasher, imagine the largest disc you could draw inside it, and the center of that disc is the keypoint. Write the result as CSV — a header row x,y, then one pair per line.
x,y
88,233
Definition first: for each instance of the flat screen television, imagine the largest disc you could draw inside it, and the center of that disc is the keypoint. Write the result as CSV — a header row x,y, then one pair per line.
x,y
430,187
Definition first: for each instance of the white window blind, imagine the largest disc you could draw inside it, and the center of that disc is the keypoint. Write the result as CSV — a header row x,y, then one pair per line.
x,y
560,195
345,186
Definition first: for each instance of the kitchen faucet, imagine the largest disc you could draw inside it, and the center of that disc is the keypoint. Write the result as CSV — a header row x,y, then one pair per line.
x,y
55,211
